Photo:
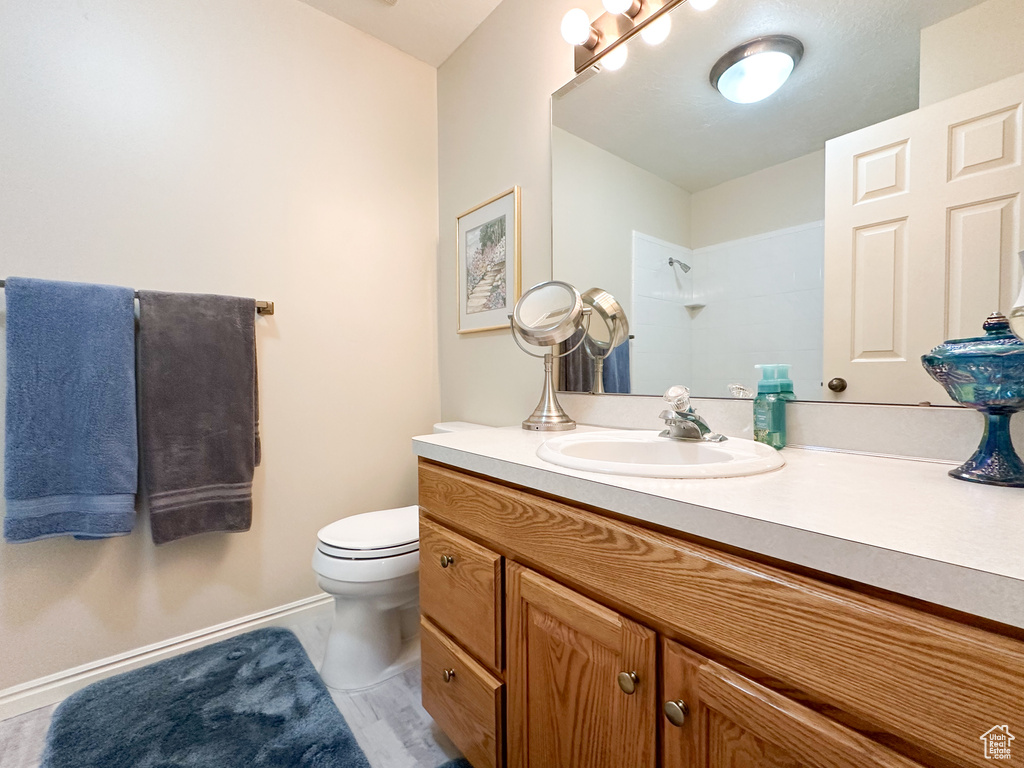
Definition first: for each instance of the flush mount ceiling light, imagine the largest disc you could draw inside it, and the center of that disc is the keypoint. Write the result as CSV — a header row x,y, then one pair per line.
x,y
757,69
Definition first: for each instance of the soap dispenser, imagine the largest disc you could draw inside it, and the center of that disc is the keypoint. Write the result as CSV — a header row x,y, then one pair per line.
x,y
773,391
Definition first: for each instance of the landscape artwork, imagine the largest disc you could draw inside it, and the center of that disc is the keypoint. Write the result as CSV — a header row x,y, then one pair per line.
x,y
488,263
485,267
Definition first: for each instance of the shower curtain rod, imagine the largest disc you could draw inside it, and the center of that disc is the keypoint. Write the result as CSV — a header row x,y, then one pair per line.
x,y
262,307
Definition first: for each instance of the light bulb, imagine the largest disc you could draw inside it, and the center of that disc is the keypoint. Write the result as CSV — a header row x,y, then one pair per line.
x,y
576,27
756,77
656,32
615,58
617,6
702,5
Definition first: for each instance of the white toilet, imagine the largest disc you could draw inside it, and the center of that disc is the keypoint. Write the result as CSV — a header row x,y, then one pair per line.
x,y
369,563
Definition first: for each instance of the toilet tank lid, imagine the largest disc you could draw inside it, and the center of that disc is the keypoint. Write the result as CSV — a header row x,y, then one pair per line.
x,y
374,530
456,426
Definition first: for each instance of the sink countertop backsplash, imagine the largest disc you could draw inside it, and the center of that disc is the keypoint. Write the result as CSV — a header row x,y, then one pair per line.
x,y
947,433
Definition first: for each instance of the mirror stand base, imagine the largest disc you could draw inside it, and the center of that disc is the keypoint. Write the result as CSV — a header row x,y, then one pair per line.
x,y
548,416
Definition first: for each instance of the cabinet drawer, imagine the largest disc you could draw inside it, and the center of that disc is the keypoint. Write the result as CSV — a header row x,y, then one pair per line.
x,y
932,682
729,720
461,591
464,698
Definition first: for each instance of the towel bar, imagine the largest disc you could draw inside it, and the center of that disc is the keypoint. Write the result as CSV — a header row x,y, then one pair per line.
x,y
262,307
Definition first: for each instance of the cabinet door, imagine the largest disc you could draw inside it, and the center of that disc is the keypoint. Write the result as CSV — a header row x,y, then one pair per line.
x,y
733,722
566,704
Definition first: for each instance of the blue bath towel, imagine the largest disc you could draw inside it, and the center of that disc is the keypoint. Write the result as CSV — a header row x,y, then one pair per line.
x,y
71,456
616,370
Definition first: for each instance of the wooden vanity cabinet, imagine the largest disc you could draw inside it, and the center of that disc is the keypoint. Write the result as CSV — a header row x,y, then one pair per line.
x,y
844,679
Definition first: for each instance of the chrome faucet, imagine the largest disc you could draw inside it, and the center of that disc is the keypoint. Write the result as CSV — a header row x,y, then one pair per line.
x,y
682,421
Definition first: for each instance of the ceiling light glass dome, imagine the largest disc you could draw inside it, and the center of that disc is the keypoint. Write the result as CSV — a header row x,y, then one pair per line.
x,y
757,69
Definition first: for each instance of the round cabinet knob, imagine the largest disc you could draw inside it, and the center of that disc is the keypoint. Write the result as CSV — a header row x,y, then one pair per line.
x,y
446,560
837,384
676,712
448,674
628,682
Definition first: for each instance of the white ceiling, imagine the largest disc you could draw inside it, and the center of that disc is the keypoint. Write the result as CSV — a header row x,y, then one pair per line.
x,y
430,30
861,66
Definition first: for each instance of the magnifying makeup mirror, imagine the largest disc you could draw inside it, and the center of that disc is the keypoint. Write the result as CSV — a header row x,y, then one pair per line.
x,y
547,315
604,336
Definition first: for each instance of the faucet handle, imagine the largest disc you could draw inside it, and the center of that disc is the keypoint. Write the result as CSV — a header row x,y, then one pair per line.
x,y
679,397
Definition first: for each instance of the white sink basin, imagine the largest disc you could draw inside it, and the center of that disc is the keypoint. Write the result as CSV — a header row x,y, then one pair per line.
x,y
642,453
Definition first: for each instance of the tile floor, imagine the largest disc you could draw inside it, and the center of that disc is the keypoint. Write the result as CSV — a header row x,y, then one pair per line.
x,y
388,721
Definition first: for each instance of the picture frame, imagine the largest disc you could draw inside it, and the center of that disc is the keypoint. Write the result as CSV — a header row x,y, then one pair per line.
x,y
487,263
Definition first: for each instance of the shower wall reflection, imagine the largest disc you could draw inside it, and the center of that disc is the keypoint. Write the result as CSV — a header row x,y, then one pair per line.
x,y
744,302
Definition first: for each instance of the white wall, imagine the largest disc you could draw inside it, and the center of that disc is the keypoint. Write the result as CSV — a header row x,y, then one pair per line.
x,y
972,49
248,147
763,298
599,199
784,195
494,132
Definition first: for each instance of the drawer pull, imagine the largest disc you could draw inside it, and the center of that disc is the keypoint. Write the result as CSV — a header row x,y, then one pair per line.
x,y
447,560
448,674
676,712
628,682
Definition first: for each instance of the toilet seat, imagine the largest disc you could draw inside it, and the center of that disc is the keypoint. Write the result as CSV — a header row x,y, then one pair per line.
x,y
377,535
346,553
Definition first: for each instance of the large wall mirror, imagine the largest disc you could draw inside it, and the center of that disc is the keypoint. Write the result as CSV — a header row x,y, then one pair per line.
x,y
865,212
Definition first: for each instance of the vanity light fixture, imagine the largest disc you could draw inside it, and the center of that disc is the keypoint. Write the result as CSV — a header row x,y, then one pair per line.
x,y
603,39
757,69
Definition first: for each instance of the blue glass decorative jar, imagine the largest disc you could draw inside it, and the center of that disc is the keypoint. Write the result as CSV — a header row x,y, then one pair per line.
x,y
986,373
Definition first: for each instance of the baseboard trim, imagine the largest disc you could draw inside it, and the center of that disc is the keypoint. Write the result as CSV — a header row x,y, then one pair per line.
x,y
56,687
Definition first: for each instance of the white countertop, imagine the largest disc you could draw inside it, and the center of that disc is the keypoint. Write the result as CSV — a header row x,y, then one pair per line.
x,y
897,524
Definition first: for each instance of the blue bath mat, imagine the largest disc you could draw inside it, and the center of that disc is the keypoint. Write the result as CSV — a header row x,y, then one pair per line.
x,y
253,701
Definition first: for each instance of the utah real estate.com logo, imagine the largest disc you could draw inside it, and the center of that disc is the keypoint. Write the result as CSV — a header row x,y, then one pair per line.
x,y
997,742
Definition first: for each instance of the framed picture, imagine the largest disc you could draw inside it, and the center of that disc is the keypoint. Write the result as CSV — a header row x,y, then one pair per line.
x,y
487,263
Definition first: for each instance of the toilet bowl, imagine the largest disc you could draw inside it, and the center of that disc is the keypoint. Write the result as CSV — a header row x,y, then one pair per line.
x,y
369,563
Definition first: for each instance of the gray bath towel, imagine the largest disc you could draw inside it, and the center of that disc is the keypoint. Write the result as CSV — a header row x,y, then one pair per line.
x,y
576,370
71,449
198,412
